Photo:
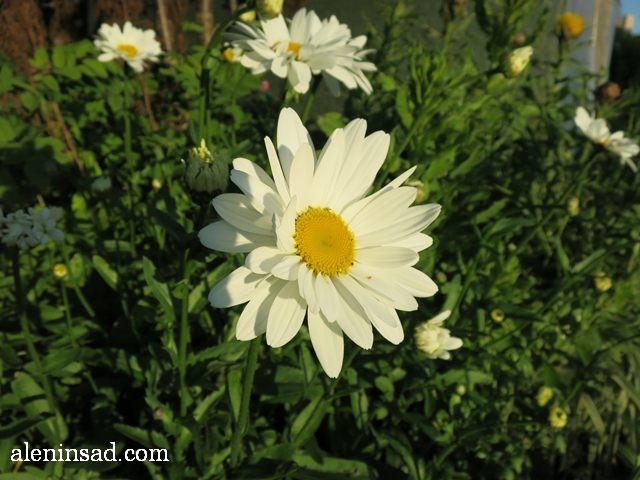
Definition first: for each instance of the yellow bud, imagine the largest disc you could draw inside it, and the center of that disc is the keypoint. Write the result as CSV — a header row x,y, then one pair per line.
x,y
269,8
419,186
544,395
248,16
518,60
571,25
60,271
573,206
156,184
558,417
602,282
461,389
497,315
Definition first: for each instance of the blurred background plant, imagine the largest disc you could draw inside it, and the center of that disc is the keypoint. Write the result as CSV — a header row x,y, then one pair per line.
x,y
536,252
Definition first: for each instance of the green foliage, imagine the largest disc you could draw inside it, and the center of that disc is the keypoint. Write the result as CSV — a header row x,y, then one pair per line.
x,y
135,354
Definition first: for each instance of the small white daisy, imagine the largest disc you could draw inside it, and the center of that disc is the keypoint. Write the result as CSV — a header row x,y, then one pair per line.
x,y
133,45
596,130
308,46
318,245
434,340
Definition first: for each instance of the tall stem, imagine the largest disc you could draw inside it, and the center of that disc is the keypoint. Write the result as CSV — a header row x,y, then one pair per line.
x,y
311,96
28,339
184,341
128,159
247,386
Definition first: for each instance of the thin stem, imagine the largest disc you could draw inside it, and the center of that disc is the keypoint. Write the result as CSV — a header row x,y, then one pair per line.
x,y
184,341
128,158
247,386
76,289
67,313
311,96
28,339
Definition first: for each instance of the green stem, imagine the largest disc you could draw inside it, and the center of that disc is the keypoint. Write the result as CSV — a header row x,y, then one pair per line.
x,y
247,386
76,289
128,158
311,96
184,341
67,313
28,339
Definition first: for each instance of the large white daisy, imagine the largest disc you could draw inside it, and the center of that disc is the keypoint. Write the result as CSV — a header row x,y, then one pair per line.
x,y
308,46
318,244
597,130
133,45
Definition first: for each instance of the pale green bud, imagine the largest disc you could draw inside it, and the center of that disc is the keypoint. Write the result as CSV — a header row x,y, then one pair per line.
x,y
269,8
206,172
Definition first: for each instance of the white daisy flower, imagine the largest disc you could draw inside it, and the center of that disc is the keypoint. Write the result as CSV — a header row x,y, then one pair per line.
x,y
596,130
318,245
434,340
133,45
308,46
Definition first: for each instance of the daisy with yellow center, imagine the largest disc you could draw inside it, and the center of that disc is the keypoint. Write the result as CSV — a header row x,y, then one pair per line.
x,y
318,246
133,45
304,47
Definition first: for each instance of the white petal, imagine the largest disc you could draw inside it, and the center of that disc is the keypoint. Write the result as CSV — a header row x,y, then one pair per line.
x,y
299,76
250,168
287,268
354,322
262,197
328,169
253,319
306,287
263,259
328,298
225,238
383,285
238,287
327,341
386,257
236,210
382,211
414,281
414,220
416,242
301,173
291,134
286,226
390,328
276,170
286,316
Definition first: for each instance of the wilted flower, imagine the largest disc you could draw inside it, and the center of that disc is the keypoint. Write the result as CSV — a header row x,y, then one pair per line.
x,y
207,172
60,271
269,8
318,245
596,130
133,45
308,46
573,206
544,395
434,340
518,60
34,227
602,282
571,25
558,417
497,315
101,184
608,91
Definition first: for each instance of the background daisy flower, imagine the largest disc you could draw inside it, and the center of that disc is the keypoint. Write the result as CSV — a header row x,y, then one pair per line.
x,y
308,46
133,45
596,130
318,245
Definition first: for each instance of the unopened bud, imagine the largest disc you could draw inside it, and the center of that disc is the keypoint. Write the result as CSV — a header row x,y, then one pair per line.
x,y
269,8
206,172
248,16
60,271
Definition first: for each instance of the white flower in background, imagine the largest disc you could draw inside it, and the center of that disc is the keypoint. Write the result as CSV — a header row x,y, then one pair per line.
x,y
434,340
318,245
28,229
133,45
308,46
596,130
518,60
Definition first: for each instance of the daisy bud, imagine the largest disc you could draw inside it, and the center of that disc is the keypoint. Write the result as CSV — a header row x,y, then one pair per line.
x,y
497,315
602,282
517,61
206,173
573,206
269,8
60,271
545,394
248,16
558,417
156,184
461,389
571,25
419,186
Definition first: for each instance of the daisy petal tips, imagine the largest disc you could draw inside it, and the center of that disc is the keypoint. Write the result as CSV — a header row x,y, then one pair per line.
x,y
318,246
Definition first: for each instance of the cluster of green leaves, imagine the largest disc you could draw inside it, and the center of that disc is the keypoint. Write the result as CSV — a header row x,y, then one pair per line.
x,y
134,353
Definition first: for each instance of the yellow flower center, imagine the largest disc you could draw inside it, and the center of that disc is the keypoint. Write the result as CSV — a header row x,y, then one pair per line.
x,y
228,55
571,24
128,50
294,48
324,241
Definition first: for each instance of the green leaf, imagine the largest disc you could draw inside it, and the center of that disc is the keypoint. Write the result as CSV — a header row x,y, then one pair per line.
x,y
158,289
308,420
106,272
19,426
328,122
